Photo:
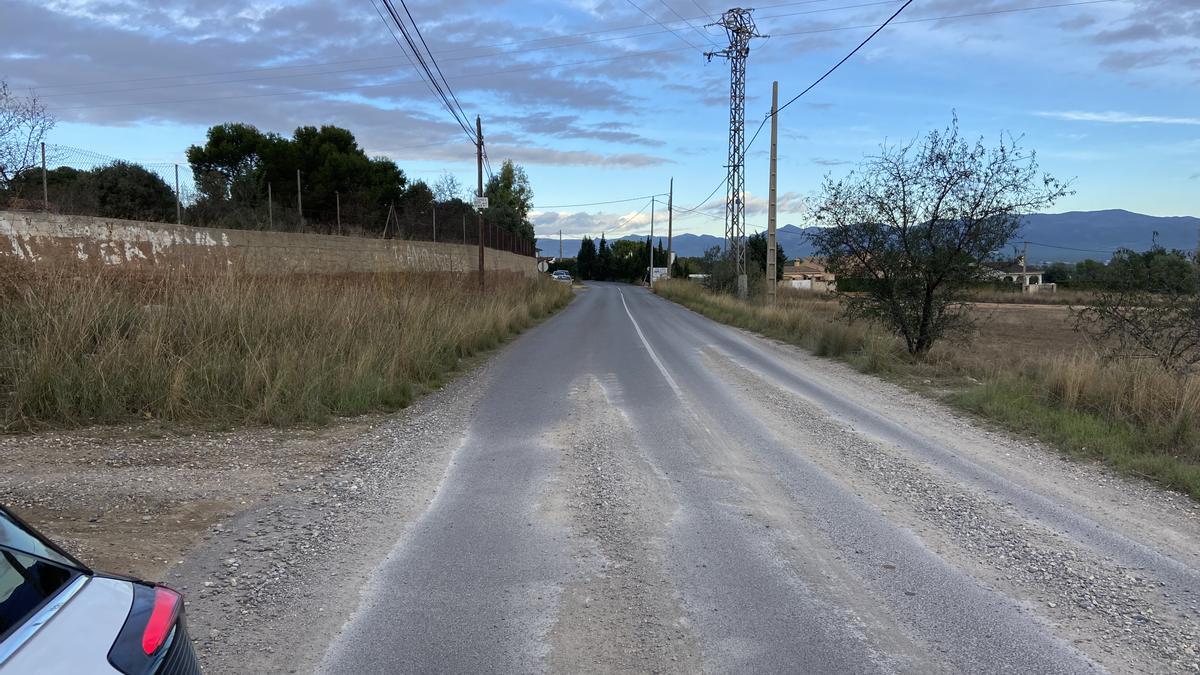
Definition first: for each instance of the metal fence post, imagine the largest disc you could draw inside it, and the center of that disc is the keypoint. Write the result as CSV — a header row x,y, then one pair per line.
x,y
178,199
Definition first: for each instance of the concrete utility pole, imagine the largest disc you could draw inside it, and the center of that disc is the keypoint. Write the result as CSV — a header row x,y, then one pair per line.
x,y
740,28
178,202
670,220
771,262
479,190
299,199
45,183
270,209
1024,266
650,277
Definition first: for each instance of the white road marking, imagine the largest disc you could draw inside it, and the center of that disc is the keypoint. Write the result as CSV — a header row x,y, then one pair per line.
x,y
661,368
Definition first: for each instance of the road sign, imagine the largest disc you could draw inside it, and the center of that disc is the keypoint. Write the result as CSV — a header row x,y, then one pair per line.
x,y
662,272
543,266
481,202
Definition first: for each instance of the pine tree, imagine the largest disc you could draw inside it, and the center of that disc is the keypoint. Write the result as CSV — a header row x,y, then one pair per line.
x,y
604,266
585,260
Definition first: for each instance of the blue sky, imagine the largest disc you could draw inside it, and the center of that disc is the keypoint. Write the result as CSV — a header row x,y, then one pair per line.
x,y
600,102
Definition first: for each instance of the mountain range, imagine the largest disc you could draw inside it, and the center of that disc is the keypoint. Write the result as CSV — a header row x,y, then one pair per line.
x,y
1052,237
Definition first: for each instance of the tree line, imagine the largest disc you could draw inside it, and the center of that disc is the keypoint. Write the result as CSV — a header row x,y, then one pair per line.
x,y
246,178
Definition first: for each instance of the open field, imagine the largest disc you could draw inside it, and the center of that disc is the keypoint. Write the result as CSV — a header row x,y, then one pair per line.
x,y
1025,369
86,347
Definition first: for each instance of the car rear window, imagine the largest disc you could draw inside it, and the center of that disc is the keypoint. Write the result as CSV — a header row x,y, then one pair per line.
x,y
25,583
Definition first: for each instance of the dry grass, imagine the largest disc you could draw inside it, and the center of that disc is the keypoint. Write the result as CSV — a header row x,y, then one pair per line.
x,y
1062,297
1025,369
86,347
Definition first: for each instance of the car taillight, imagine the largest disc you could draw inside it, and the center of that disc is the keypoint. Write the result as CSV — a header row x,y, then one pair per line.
x,y
162,619
154,622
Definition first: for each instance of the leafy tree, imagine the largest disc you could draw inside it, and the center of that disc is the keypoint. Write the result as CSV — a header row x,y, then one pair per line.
x,y
756,255
129,191
628,260
585,260
510,197
231,156
917,222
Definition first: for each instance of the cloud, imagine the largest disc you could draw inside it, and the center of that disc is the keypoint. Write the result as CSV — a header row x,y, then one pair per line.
x,y
830,162
613,225
1112,117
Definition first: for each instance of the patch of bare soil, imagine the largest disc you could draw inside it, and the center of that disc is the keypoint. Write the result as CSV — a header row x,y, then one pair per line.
x,y
270,534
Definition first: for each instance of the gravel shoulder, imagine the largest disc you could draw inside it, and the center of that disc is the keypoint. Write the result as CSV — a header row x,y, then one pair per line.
x,y
1123,617
270,534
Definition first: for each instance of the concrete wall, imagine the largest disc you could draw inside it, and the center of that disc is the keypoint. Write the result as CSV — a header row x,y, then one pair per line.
x,y
54,239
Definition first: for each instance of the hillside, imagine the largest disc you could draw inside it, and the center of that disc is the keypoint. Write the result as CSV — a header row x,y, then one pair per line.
x,y
1067,237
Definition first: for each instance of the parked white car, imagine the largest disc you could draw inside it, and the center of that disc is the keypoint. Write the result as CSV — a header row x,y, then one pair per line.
x,y
59,617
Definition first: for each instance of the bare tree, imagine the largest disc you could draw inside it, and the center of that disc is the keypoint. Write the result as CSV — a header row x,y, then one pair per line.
x,y
1162,324
913,226
447,188
24,122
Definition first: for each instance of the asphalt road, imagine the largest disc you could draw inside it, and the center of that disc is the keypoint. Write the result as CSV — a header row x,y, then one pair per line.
x,y
644,490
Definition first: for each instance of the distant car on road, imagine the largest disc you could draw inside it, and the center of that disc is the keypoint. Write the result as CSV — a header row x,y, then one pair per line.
x,y
561,275
59,617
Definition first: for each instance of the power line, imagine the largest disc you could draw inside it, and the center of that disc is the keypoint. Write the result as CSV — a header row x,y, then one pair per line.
x,y
629,218
651,16
435,65
613,201
844,59
1068,248
908,21
444,92
702,34
682,209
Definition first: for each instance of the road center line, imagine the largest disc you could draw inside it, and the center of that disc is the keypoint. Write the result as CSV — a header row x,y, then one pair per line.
x,y
650,350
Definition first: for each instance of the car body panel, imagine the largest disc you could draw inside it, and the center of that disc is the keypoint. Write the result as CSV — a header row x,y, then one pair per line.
x,y
88,622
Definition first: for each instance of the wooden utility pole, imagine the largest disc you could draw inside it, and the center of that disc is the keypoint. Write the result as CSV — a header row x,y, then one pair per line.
x,y
270,209
479,190
670,220
299,199
46,183
771,262
178,202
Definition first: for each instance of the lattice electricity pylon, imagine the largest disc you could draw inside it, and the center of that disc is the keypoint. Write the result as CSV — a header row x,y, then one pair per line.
x,y
739,26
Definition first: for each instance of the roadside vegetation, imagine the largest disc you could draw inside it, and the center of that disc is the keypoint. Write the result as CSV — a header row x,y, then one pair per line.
x,y
1045,380
908,234
84,347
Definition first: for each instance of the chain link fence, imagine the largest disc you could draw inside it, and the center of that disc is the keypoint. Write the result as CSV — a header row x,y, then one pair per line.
x,y
76,181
